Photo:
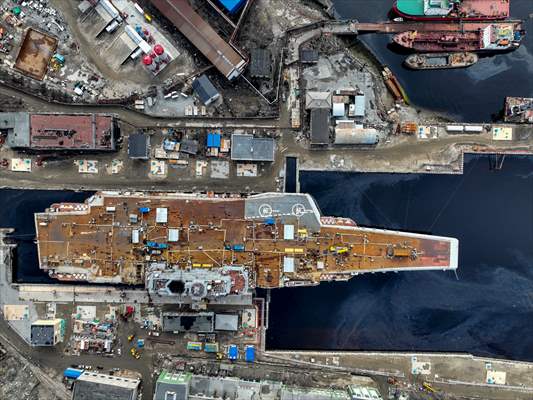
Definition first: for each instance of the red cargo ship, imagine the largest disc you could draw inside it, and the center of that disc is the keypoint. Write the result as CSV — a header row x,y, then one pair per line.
x,y
492,38
449,10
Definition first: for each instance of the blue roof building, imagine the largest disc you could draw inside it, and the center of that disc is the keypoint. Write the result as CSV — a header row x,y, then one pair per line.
x,y
233,5
213,140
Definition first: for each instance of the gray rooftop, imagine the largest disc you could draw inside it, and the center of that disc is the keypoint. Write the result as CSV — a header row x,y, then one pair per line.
x,y
226,322
139,146
42,335
205,90
93,386
260,63
317,99
17,125
249,148
188,322
320,126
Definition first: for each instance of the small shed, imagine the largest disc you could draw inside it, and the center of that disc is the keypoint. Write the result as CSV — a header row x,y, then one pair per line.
x,y
249,354
339,110
359,106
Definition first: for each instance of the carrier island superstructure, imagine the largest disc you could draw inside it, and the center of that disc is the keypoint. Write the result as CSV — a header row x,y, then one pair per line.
x,y
193,247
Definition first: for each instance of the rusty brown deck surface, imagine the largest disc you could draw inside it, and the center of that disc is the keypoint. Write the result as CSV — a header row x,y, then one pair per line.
x,y
35,53
97,241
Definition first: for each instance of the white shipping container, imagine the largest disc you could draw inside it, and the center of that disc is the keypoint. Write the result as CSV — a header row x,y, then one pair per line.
x,y
454,128
473,128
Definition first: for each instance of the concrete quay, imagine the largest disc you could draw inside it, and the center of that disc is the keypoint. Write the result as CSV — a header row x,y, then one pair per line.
x,y
461,374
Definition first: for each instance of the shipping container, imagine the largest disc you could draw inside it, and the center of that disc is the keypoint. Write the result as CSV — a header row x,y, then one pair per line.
x,y
194,346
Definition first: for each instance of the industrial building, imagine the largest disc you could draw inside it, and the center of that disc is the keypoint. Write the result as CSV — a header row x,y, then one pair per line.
x,y
185,386
249,148
348,132
82,132
139,146
227,322
205,90
199,322
317,100
94,386
47,332
220,53
260,64
320,126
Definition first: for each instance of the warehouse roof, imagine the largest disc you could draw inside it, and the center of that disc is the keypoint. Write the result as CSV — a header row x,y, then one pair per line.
x,y
138,146
93,386
260,63
317,100
320,126
249,148
205,90
221,54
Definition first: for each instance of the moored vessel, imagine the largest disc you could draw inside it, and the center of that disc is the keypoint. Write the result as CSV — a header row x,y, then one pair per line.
x,y
195,247
440,60
496,37
449,10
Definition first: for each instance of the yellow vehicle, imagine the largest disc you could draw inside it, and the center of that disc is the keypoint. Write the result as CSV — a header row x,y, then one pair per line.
x,y
130,338
428,387
220,356
338,250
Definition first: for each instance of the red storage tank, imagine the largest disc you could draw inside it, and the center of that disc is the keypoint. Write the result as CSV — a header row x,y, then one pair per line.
x,y
149,63
161,55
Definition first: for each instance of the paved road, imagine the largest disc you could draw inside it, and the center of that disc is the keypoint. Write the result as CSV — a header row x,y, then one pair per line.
x,y
141,120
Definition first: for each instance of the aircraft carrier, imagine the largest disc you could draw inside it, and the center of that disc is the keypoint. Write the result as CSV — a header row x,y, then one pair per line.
x,y
194,247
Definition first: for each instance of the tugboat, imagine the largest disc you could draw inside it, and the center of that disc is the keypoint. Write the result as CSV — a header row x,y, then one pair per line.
x,y
440,60
452,10
496,37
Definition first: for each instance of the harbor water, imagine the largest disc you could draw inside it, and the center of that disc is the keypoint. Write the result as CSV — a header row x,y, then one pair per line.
x,y
474,94
485,309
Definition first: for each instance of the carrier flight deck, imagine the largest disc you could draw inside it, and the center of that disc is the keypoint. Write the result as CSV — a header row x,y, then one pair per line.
x,y
202,247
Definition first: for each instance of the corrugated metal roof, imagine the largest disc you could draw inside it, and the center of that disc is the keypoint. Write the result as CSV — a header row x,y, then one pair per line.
x,y
224,57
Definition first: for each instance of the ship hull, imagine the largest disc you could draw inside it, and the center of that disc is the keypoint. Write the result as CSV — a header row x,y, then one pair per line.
x,y
425,18
440,61
479,15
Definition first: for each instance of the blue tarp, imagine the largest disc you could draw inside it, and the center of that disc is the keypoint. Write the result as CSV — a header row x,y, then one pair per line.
x,y
233,352
213,140
72,373
238,247
156,245
249,355
270,221
233,5
144,210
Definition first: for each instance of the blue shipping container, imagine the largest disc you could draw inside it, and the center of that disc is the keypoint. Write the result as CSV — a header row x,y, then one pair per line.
x,y
156,245
72,373
233,352
249,354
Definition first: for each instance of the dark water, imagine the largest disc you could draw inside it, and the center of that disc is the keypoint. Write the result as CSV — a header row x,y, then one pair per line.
x,y
487,311
472,94
16,211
